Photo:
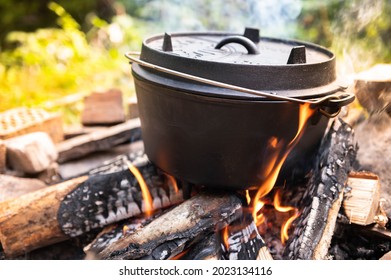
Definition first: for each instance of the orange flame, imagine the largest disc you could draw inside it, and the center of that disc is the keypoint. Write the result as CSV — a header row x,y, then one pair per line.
x,y
180,255
286,225
277,160
172,182
225,236
248,197
125,229
147,198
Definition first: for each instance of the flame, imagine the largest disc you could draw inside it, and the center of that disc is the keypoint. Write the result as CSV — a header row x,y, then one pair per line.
x,y
225,237
277,160
172,182
286,225
125,229
147,198
248,197
179,255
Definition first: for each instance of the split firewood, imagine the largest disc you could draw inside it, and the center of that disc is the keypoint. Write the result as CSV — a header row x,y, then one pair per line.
x,y
177,229
374,154
31,153
133,108
12,187
361,204
322,201
103,108
100,140
77,206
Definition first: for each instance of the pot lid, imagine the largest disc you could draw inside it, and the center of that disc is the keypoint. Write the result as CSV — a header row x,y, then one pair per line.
x,y
286,67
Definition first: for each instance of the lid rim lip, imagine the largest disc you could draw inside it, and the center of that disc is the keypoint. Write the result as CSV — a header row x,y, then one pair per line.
x,y
294,42
182,85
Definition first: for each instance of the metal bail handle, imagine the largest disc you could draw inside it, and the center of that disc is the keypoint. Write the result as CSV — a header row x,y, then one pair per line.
x,y
332,102
245,42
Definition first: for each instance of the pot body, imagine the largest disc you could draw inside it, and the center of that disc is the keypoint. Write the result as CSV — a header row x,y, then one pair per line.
x,y
219,142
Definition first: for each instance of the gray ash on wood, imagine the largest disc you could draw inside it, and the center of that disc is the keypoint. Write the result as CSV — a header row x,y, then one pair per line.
x,y
109,196
178,229
334,161
244,241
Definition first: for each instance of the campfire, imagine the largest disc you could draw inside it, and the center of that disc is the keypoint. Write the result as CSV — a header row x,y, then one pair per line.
x,y
142,204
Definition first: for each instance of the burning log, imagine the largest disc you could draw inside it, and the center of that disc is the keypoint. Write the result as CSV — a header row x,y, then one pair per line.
x,y
79,205
207,249
322,201
100,140
174,231
245,242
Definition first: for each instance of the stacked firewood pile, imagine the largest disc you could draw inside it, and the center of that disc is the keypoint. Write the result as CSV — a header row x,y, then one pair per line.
x,y
75,194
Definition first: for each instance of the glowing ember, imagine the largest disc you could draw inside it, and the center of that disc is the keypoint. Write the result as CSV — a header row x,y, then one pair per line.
x,y
125,229
147,198
173,182
180,255
248,197
225,237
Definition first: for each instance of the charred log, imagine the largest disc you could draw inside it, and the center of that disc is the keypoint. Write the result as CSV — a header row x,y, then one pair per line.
x,y
78,206
179,228
321,202
244,241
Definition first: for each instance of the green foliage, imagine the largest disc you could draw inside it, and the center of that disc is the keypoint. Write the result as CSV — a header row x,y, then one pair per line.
x,y
51,63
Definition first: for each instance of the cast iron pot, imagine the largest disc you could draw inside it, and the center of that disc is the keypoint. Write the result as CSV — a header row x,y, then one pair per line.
x,y
216,107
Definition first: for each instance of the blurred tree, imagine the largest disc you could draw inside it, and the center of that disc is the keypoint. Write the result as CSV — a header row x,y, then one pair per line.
x,y
29,15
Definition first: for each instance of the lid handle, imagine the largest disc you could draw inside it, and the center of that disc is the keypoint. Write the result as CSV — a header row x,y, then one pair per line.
x,y
250,46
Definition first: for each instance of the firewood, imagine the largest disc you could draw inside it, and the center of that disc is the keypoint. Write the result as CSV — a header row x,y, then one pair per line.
x,y
322,201
77,206
208,248
387,256
30,221
244,241
12,187
133,108
31,153
172,232
361,204
374,154
22,120
100,140
103,108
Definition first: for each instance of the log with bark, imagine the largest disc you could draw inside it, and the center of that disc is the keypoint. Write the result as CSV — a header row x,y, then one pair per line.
x,y
322,201
80,205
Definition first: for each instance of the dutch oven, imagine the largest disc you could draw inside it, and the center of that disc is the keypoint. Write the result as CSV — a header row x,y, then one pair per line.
x,y
211,103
